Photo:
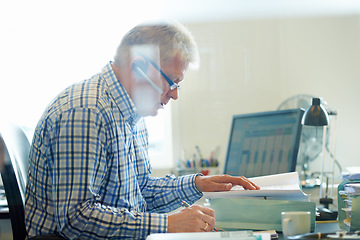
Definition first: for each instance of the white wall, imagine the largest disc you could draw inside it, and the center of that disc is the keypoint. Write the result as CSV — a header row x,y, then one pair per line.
x,y
255,64
248,65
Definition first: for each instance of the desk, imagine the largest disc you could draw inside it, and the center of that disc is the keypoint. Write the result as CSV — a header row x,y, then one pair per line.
x,y
327,227
320,226
323,227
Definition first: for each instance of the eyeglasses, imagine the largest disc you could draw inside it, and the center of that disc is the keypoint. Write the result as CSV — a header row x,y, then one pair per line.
x,y
168,80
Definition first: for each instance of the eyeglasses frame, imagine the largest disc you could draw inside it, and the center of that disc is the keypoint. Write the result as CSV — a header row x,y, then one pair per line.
x,y
172,84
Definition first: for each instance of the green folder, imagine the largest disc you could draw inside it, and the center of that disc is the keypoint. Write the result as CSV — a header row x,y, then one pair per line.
x,y
256,213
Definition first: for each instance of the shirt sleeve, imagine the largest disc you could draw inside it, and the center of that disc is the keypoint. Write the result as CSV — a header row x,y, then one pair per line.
x,y
165,194
78,152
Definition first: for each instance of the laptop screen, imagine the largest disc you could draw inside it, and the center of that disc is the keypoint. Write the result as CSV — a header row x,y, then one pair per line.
x,y
264,143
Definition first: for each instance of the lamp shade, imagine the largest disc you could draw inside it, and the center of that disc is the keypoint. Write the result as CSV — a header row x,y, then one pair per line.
x,y
315,115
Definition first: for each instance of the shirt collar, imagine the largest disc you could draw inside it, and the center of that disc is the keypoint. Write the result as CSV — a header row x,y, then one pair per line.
x,y
121,97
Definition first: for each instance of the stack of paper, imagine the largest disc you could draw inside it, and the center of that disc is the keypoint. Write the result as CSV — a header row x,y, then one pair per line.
x,y
260,209
350,194
353,188
285,186
351,173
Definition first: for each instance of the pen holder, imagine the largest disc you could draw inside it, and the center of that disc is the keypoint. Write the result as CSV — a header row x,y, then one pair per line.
x,y
209,167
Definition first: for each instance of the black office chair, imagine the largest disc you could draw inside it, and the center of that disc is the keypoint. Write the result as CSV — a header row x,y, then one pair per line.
x,y
14,159
14,153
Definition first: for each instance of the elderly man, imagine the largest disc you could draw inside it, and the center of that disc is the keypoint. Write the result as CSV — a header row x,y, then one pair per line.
x,y
90,175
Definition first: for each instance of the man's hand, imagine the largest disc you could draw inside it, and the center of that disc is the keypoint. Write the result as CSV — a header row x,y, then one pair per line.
x,y
222,183
192,219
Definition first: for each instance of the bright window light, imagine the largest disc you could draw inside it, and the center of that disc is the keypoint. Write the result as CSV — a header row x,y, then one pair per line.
x,y
160,139
46,46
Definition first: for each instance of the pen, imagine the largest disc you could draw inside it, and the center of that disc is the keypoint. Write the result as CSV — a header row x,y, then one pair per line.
x,y
199,152
186,205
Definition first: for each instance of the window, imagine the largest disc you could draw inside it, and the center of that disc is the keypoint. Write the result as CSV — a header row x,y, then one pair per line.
x,y
160,139
44,51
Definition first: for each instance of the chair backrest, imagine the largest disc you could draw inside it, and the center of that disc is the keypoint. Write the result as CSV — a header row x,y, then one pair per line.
x,y
14,154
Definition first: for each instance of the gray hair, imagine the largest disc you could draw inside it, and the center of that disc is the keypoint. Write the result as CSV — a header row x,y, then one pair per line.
x,y
168,38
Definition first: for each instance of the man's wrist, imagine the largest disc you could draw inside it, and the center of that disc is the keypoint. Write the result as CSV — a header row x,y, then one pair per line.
x,y
196,181
186,188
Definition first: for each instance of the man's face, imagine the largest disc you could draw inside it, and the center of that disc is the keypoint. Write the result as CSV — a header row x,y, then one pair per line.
x,y
149,99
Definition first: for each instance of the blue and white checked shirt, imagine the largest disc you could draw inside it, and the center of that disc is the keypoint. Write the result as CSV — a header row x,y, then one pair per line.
x,y
89,173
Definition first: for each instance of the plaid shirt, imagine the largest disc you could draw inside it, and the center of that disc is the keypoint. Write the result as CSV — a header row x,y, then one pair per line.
x,y
89,172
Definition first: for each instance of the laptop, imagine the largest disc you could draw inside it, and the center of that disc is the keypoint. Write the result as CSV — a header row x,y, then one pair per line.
x,y
264,143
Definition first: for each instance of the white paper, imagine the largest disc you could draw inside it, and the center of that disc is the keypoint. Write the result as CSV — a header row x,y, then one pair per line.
x,y
353,169
352,173
228,235
277,186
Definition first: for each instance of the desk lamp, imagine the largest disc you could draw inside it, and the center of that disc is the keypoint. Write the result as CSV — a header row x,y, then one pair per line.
x,y
317,116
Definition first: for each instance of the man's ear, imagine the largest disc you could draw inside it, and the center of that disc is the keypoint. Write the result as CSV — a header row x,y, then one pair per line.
x,y
139,66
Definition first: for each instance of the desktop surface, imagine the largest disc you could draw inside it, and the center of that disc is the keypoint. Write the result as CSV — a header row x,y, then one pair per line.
x,y
322,229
